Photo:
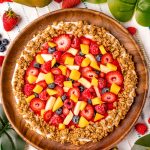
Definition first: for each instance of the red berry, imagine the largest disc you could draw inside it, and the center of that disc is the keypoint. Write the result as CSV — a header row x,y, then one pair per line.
x,y
37,105
75,43
116,63
64,56
58,1
42,84
94,48
110,106
114,77
76,84
85,69
28,89
101,109
1,60
63,42
57,55
88,112
68,73
56,71
56,120
70,3
102,74
74,91
32,71
45,68
87,94
85,40
106,58
132,30
59,79
68,103
101,83
90,74
78,59
45,46
47,115
149,120
59,90
65,111
109,97
44,95
141,128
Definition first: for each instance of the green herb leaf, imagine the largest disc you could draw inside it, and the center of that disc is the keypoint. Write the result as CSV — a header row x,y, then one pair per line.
x,y
139,147
144,141
96,1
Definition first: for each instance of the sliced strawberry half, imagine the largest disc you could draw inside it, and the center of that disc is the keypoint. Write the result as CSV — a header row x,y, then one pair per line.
x,y
74,91
87,94
90,74
45,45
85,40
59,90
106,58
48,115
116,63
101,109
65,111
76,84
78,59
55,120
59,79
57,55
85,69
44,95
101,83
75,43
56,71
32,71
68,73
68,103
64,56
109,97
94,48
42,84
28,89
45,68
63,42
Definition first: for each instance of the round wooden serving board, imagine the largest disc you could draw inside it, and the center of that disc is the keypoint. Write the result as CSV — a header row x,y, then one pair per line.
x,y
95,18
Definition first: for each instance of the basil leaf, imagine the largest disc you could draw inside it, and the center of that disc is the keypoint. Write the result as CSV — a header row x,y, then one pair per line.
x,y
96,1
139,147
144,141
2,115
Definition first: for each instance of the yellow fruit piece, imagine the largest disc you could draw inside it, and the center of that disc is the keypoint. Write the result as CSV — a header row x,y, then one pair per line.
x,y
83,122
68,118
51,92
84,48
39,59
111,67
69,61
102,49
31,79
85,82
95,65
77,108
49,78
98,117
63,69
58,104
74,98
94,82
74,75
96,101
50,103
28,99
61,126
83,105
85,62
104,69
53,62
66,89
115,88
42,112
68,84
51,44
38,89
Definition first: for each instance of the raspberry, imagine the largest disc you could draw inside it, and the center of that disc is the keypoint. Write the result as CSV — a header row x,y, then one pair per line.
x,y
141,128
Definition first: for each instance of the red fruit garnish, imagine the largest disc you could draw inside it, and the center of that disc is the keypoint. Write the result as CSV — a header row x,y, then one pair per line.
x,y
68,73
101,109
63,42
63,57
59,79
88,112
78,59
70,3
45,46
56,120
74,91
32,71
87,94
109,97
141,128
56,71
28,89
59,90
45,68
42,84
10,20
132,30
106,58
2,1
47,115
115,62
90,74
76,84
114,77
37,105
57,55
102,74
85,69
65,111
85,40
44,51
75,43
1,60
101,83
94,48
110,106
58,1
149,120
68,103
44,95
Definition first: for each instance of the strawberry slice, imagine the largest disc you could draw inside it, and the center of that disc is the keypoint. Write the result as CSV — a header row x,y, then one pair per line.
x,y
94,48
116,63
45,68
101,109
110,106
37,105
42,84
76,84
65,111
47,115
75,43
56,120
59,90
85,40
88,112
90,74
114,77
59,79
68,73
63,42
32,71
56,71
44,95
102,74
109,97
101,83
68,103
78,59
45,46
57,55
58,1
64,56
70,3
74,91
87,94
85,69
28,89
106,58
43,51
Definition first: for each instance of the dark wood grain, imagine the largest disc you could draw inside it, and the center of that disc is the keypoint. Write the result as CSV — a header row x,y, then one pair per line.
x,y
92,17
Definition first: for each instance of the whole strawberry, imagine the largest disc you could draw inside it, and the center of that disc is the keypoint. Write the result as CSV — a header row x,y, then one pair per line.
x,y
70,3
10,20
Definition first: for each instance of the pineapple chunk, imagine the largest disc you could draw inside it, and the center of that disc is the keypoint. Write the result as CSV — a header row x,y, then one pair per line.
x,y
51,44
98,117
50,103
74,98
74,75
38,89
77,108
104,69
53,62
83,122
115,88
40,77
84,82
63,69
39,59
73,51
94,82
42,112
68,118
47,57
58,104
95,65
66,89
61,126
84,48
49,78
102,49
97,91
28,99
51,92
69,61
68,84
85,62
91,57
31,79
96,101
73,67
111,67
83,105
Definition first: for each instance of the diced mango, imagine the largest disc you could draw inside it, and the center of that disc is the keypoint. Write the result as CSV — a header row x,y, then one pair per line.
x,y
95,65
83,105
68,84
69,61
73,67
58,104
83,122
38,89
96,101
40,77
98,117
74,98
74,75
39,59
63,69
111,67
47,57
49,78
28,99
115,88
53,62
102,49
42,112
51,92
91,57
66,89
51,44
94,82
84,48
68,118
50,103
73,51
104,69
85,62
61,126
84,82
31,78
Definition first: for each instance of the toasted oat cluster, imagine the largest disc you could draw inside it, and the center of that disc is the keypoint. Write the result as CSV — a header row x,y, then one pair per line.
x,y
74,82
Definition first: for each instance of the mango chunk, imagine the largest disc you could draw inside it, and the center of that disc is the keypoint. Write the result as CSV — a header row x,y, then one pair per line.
x,y
66,89
95,65
84,82
28,99
96,101
104,69
74,75
63,69
49,78
85,62
84,48
94,82
51,92
74,98
31,78
83,105
58,104
83,122
61,126
39,59
69,61
68,118
38,89
68,84
102,49
111,67
98,117
51,44
42,112
115,88
53,62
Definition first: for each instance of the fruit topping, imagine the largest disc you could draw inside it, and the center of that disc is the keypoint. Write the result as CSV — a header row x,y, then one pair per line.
x,y
109,97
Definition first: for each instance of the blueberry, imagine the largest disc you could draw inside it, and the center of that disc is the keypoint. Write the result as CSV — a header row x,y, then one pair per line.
x,y
89,101
70,79
36,95
57,64
97,72
2,48
51,50
104,90
75,119
98,57
81,54
0,36
51,85
81,88
59,111
0,42
64,97
5,42
37,65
